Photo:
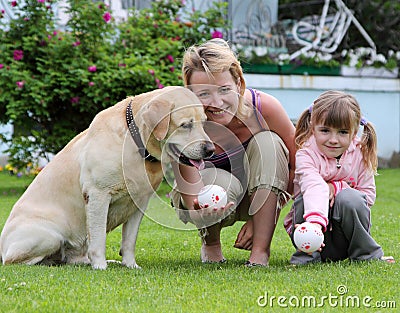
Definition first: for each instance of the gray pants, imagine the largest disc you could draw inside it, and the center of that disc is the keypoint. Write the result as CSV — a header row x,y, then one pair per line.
x,y
348,234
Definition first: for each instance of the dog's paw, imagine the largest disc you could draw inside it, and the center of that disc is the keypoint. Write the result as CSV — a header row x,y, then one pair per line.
x,y
99,265
132,265
79,260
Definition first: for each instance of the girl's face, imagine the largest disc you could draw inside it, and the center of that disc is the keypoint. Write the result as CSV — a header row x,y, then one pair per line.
x,y
332,141
219,95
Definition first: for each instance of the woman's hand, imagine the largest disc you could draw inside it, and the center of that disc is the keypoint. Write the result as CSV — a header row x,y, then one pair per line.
x,y
204,217
244,238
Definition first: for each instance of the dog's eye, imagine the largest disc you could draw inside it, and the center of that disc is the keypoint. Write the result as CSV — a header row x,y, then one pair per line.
x,y
187,125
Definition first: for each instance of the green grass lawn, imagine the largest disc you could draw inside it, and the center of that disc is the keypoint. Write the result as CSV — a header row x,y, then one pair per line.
x,y
173,279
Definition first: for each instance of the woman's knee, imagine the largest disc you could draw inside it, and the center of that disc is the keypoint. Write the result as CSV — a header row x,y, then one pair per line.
x,y
267,161
267,144
217,176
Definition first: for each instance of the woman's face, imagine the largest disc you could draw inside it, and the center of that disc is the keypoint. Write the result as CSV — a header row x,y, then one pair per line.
x,y
219,95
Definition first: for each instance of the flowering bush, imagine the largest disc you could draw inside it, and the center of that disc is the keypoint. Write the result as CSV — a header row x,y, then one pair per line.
x,y
261,55
158,36
361,57
28,170
358,58
53,79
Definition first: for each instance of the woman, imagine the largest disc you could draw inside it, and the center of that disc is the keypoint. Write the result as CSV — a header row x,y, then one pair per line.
x,y
254,155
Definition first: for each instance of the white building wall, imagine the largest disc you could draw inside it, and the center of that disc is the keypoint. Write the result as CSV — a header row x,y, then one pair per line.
x,y
379,99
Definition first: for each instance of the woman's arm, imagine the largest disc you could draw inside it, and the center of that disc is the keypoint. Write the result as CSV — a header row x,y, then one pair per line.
x,y
279,122
189,183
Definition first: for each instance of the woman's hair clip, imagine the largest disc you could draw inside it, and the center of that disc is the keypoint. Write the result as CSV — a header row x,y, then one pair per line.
x,y
310,108
363,121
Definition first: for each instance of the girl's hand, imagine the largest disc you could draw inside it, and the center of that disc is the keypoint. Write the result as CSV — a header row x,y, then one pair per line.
x,y
331,194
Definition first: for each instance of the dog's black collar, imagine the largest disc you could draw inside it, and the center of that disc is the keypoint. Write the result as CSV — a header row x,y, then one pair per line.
x,y
133,129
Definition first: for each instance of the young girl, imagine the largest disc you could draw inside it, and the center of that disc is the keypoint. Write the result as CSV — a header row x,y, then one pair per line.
x,y
334,182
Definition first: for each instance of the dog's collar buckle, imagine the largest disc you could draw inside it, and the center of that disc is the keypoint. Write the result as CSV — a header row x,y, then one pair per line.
x,y
134,131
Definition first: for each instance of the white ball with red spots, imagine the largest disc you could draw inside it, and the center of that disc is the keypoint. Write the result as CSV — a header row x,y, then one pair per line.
x,y
308,237
211,196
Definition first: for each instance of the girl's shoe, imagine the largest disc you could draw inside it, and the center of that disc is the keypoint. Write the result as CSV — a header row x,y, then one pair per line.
x,y
388,259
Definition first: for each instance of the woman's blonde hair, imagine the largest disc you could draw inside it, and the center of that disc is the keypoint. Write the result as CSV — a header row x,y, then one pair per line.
x,y
339,110
215,56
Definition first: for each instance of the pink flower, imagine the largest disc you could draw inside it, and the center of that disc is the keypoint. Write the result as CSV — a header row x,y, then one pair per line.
x,y
172,69
151,72
160,86
13,3
92,68
18,55
20,84
75,100
121,64
41,1
76,43
1,66
170,58
91,84
217,34
107,17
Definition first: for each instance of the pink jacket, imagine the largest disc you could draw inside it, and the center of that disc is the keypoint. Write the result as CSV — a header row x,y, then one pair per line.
x,y
314,170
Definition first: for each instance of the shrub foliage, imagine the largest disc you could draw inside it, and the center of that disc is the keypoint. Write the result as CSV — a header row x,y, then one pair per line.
x,y
55,78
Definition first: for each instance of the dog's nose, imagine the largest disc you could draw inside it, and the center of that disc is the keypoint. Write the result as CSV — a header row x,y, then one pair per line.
x,y
209,149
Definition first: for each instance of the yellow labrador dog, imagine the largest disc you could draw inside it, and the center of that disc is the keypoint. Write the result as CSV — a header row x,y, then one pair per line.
x,y
104,178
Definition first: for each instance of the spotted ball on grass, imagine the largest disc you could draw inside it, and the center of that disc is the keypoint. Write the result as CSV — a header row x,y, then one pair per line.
x,y
308,237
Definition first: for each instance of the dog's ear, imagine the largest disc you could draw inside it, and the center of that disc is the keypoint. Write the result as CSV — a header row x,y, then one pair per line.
x,y
157,117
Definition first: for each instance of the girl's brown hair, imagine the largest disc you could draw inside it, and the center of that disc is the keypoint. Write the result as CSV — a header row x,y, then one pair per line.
x,y
339,110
